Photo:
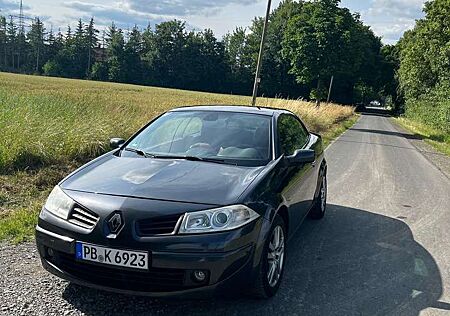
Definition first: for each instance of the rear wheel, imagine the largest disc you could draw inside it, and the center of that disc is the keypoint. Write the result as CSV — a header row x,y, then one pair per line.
x,y
271,267
320,204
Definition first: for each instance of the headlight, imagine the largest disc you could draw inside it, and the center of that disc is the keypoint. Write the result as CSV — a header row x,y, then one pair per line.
x,y
58,203
217,220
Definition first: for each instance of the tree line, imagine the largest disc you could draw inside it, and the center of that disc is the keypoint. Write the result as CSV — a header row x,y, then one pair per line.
x,y
308,43
421,62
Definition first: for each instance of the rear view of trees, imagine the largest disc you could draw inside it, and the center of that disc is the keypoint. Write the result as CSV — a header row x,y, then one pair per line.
x,y
308,42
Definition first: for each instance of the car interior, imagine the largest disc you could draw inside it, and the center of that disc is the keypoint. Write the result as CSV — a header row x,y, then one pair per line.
x,y
223,137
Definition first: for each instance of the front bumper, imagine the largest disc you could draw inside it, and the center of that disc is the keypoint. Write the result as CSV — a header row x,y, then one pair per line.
x,y
170,273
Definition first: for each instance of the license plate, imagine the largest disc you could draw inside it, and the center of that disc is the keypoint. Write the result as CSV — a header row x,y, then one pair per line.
x,y
114,257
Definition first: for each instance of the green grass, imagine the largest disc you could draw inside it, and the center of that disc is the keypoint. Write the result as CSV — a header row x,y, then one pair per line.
x,y
50,126
439,139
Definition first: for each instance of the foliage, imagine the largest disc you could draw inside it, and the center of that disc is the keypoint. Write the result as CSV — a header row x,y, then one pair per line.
x,y
332,42
324,40
424,74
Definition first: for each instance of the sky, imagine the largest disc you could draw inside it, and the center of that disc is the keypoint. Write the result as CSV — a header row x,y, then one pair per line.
x,y
387,18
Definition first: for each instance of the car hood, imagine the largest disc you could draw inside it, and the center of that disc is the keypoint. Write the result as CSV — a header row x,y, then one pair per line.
x,y
173,180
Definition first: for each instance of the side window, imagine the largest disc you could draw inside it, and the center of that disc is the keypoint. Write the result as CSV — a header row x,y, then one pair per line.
x,y
292,135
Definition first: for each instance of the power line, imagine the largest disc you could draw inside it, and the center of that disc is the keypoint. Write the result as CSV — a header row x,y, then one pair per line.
x,y
20,22
21,19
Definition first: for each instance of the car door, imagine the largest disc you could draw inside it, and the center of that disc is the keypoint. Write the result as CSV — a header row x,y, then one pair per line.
x,y
297,192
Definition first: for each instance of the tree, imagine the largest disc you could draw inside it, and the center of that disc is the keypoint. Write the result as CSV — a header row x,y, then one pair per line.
x,y
55,43
115,50
3,42
239,60
91,34
36,41
276,79
12,42
323,40
166,58
389,85
424,66
132,56
315,42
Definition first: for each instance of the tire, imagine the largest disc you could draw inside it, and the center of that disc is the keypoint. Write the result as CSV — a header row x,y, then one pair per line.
x,y
266,286
320,204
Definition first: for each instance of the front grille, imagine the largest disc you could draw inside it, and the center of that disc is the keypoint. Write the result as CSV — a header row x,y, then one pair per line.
x,y
152,280
158,225
83,218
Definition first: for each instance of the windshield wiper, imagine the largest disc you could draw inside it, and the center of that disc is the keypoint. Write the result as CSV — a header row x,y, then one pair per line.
x,y
191,158
139,152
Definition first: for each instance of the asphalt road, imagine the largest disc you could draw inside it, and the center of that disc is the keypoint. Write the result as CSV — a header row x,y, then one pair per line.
x,y
382,249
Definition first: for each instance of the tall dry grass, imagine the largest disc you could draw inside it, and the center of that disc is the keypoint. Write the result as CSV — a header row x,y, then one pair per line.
x,y
47,121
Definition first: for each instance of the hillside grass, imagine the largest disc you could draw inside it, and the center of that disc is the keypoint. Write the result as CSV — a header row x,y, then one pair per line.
x,y
438,138
50,126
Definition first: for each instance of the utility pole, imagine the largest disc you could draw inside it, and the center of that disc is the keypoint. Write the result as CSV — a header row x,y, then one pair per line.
x,y
260,56
21,19
329,90
21,28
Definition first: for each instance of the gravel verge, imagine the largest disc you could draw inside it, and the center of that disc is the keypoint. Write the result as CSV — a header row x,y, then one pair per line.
x,y
27,289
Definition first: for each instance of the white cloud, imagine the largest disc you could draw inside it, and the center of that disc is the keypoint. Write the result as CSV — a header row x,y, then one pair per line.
x,y
11,6
185,7
388,18
391,18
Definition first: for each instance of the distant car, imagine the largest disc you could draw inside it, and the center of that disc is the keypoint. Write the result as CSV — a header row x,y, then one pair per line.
x,y
202,199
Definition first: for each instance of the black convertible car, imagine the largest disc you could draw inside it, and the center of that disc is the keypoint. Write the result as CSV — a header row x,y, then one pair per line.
x,y
201,200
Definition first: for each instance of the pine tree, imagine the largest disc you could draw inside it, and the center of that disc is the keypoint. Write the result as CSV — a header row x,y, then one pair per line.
x,y
11,37
133,51
36,41
91,34
115,50
3,43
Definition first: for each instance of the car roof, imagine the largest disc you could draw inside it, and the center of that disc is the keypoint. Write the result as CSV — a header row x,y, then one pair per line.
x,y
233,108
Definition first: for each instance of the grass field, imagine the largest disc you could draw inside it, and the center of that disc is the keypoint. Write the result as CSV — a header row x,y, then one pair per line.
x,y
49,126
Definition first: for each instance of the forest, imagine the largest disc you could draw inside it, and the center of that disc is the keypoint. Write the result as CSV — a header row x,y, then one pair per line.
x,y
308,43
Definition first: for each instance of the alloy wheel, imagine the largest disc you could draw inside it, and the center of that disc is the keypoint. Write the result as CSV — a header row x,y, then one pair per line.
x,y
275,256
323,194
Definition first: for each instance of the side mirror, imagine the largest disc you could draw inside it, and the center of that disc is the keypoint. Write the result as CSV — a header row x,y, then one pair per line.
x,y
301,156
115,143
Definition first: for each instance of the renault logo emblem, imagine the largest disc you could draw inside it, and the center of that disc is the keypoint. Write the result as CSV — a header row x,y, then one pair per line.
x,y
115,225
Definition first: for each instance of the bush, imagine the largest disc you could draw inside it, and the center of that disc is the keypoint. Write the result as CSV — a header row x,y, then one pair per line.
x,y
52,69
432,109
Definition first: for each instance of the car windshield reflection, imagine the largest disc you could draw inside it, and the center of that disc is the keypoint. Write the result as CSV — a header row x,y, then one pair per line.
x,y
223,137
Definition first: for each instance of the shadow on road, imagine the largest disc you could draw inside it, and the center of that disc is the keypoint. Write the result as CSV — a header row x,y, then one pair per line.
x,y
374,111
351,263
390,133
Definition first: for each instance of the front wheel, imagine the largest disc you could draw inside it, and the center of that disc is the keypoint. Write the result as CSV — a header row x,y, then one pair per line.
x,y
273,258
320,204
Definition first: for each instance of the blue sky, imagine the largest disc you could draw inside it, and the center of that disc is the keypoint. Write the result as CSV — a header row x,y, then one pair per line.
x,y
388,18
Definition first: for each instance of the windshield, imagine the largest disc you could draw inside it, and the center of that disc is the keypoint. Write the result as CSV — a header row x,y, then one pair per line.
x,y
237,138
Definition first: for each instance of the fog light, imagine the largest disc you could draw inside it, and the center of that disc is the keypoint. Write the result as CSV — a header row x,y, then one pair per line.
x,y
200,276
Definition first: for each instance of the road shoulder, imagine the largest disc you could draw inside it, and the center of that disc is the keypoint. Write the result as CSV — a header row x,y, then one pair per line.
x,y
439,160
